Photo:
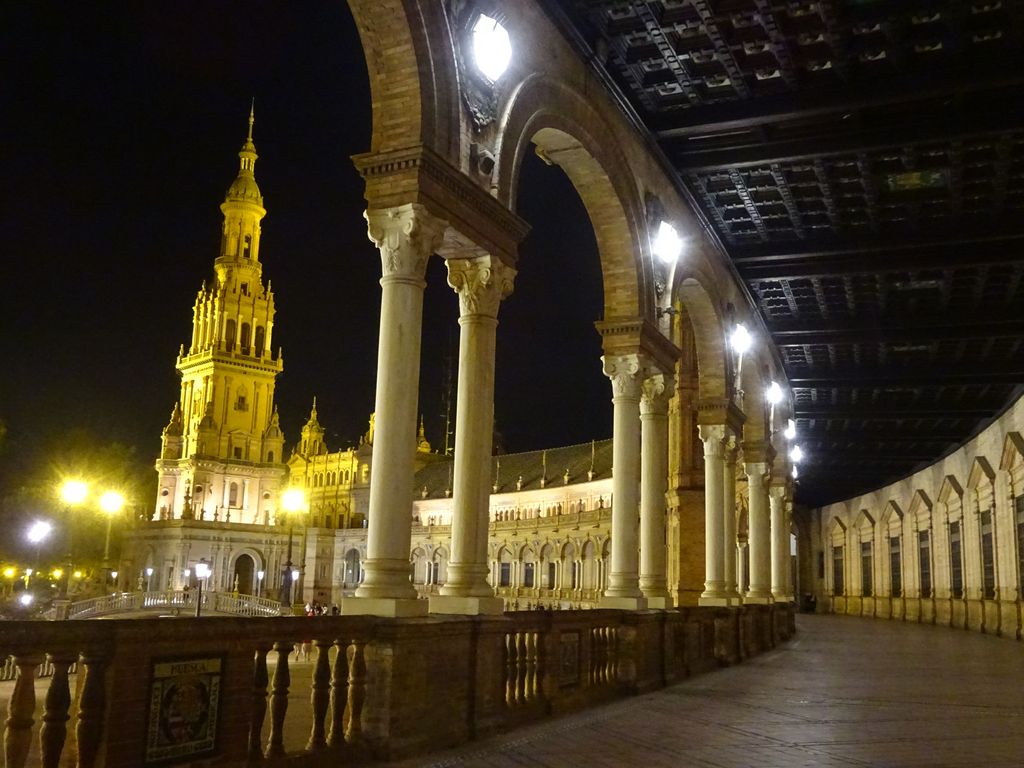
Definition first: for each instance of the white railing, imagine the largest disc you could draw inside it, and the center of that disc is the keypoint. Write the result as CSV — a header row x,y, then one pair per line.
x,y
176,601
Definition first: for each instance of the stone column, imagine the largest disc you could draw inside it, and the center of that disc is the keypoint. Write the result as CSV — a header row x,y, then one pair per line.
x,y
712,436
729,451
657,390
481,283
759,534
624,582
780,543
742,578
406,236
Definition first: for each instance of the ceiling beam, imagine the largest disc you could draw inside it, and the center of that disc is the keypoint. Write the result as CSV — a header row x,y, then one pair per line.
x,y
856,436
1002,118
896,330
908,413
910,377
747,114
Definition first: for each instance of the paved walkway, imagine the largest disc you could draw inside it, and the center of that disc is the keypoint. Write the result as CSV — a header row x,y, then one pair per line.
x,y
846,692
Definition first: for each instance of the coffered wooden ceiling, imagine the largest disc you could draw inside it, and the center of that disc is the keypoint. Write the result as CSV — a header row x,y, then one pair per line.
x,y
862,163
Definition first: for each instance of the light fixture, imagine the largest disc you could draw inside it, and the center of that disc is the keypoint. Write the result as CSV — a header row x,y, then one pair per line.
x,y
74,492
295,575
25,599
796,473
113,574
293,500
260,575
740,340
202,569
39,531
149,571
111,502
790,431
667,244
774,393
796,454
492,49
187,573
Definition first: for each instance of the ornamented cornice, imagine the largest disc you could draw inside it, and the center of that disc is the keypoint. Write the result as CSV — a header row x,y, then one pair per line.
x,y
406,235
638,336
720,411
481,284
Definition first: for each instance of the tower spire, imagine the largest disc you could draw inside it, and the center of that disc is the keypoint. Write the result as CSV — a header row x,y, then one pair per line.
x,y
252,118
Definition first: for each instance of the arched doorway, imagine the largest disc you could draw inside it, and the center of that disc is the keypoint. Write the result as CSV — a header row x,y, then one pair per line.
x,y
351,576
244,578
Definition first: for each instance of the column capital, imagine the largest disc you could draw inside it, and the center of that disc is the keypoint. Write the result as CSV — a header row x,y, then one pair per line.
x,y
777,492
655,392
481,283
756,471
407,235
625,373
730,447
712,436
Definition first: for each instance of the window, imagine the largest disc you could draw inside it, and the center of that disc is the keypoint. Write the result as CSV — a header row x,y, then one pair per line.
x,y
270,456
241,404
838,587
528,574
895,567
924,553
865,569
246,338
576,567
238,453
1018,505
247,247
988,563
504,574
233,490
551,576
229,334
435,572
245,289
261,337
956,565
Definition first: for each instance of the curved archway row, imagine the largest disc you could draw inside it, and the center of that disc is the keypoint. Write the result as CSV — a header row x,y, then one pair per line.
x,y
441,177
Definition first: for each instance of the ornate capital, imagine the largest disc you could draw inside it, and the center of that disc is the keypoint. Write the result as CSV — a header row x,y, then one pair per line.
x,y
712,436
757,472
481,284
406,235
656,391
625,373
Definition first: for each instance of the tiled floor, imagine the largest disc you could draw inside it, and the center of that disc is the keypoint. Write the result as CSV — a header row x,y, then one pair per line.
x,y
845,692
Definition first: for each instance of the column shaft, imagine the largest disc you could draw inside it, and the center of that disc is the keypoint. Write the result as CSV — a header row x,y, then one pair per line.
x,y
623,583
729,518
407,236
481,283
780,543
653,484
759,535
714,519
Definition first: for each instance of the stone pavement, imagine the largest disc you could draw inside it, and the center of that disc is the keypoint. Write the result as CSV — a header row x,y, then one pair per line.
x,y
846,692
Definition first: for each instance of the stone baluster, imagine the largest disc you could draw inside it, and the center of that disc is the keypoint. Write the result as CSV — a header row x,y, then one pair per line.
x,y
356,690
532,662
92,706
339,696
320,696
21,711
54,730
260,678
510,668
279,700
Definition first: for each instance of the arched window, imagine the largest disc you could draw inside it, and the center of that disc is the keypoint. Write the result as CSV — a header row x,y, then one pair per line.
x,y
233,495
246,338
229,334
247,247
261,337
270,457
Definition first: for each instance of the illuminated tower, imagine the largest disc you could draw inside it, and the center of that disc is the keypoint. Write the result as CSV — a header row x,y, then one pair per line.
x,y
221,452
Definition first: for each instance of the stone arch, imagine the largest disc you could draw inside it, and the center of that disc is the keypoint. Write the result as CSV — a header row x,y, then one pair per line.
x,y
698,307
570,133
413,79
418,561
754,380
243,573
353,566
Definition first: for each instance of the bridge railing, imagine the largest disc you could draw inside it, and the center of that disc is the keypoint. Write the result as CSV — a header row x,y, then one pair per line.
x,y
217,689
174,601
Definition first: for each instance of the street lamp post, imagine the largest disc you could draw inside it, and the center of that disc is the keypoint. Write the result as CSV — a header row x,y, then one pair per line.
x,y
111,503
259,583
292,502
202,572
73,493
149,579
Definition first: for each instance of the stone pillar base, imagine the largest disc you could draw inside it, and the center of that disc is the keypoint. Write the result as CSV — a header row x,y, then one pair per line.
x,y
718,601
623,603
661,603
467,606
392,607
757,600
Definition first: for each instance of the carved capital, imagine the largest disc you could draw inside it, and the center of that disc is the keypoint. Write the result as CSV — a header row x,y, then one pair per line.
x,y
406,235
712,436
481,284
656,391
625,373
757,473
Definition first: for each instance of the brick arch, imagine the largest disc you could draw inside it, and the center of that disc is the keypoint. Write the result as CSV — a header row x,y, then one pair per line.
x,y
570,133
754,380
700,310
413,88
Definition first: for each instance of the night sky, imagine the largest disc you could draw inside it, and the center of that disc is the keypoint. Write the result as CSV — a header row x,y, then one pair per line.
x,y
120,134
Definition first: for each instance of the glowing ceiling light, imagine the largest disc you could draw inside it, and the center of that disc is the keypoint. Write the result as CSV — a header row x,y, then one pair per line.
x,y
774,393
796,473
667,244
796,454
790,431
740,339
492,50
39,531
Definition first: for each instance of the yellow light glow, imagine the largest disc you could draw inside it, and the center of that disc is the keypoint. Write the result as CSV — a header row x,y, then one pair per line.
x,y
9,573
58,572
73,492
111,502
77,574
293,500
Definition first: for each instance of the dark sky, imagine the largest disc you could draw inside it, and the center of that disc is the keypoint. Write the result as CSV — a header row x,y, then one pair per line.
x,y
120,127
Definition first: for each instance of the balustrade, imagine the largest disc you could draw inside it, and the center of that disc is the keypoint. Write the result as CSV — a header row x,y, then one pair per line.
x,y
363,693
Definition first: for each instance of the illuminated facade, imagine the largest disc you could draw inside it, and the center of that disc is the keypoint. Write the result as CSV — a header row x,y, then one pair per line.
x,y
221,454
